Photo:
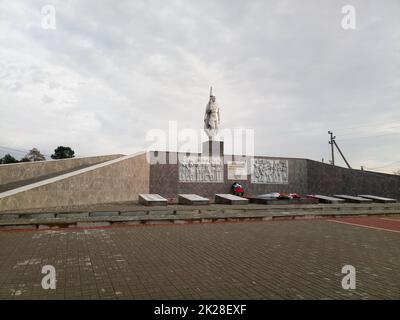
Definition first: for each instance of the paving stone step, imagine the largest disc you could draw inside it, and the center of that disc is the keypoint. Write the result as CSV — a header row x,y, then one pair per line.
x,y
212,209
134,207
100,221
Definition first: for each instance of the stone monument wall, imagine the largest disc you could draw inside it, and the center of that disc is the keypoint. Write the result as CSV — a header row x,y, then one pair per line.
x,y
326,179
206,178
169,174
265,175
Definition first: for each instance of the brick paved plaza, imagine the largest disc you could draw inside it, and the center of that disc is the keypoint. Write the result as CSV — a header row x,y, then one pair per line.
x,y
245,260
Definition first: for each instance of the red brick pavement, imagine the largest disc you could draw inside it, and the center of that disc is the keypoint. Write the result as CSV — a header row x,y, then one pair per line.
x,y
386,224
295,259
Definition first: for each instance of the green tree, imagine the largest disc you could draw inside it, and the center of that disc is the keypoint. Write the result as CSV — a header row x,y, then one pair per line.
x,y
35,155
8,158
24,159
63,153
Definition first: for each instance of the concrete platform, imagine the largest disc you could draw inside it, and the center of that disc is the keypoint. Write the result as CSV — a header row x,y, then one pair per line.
x,y
152,200
378,199
226,198
326,199
352,199
192,199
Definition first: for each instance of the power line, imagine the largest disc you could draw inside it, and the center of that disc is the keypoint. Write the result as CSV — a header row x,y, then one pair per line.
x,y
314,130
381,130
371,136
386,165
24,152
367,125
9,150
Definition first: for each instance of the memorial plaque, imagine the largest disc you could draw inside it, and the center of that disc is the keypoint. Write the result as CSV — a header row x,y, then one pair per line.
x,y
326,199
378,199
230,199
237,170
192,199
270,171
152,200
201,169
352,199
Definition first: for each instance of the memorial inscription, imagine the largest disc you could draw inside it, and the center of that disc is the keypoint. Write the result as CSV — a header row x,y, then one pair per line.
x,y
237,170
201,169
270,171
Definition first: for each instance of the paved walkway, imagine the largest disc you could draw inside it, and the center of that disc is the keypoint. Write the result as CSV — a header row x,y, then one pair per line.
x,y
246,260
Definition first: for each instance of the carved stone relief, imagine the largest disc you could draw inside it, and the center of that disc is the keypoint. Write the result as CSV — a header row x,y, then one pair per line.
x,y
270,171
201,169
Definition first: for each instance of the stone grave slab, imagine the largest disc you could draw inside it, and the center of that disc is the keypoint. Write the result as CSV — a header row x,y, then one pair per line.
x,y
226,198
326,199
378,199
352,199
261,200
192,199
152,199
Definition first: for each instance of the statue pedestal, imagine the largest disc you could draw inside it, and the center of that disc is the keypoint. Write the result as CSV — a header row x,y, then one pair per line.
x,y
213,148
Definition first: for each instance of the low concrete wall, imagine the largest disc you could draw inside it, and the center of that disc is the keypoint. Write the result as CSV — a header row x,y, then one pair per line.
x,y
119,181
30,170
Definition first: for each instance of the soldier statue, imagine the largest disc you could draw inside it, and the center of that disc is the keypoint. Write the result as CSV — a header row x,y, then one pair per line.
x,y
211,117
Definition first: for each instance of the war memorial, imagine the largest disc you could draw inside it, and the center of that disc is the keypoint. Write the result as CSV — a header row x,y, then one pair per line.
x,y
189,202
118,178
207,225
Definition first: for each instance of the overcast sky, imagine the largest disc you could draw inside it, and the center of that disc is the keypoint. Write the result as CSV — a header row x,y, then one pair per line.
x,y
112,70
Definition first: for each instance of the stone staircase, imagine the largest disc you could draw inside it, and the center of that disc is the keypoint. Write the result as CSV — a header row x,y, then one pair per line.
x,y
131,214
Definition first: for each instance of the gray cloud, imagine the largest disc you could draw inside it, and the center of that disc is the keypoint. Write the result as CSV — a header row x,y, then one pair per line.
x,y
284,68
